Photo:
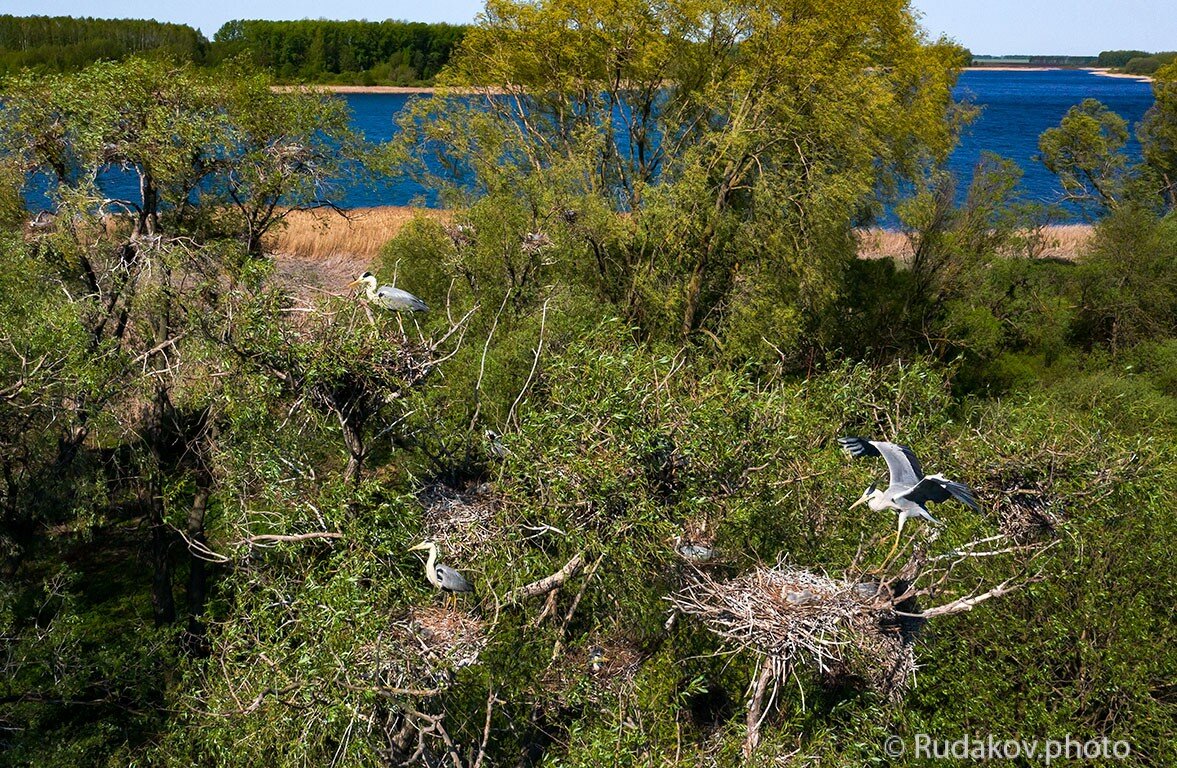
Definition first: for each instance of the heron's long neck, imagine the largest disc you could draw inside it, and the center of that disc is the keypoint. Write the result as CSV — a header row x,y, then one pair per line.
x,y
430,563
371,284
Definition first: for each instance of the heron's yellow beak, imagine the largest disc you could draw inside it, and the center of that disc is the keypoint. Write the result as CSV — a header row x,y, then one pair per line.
x,y
353,283
860,501
422,545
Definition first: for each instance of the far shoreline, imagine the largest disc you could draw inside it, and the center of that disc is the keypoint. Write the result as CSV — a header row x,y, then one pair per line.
x,y
429,90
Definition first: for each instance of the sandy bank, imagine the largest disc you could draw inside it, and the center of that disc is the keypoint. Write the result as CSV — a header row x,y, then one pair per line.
x,y
407,90
1013,68
354,89
1104,72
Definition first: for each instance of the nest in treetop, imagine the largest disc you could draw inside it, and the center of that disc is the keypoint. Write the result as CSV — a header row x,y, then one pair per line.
x,y
1025,505
603,666
460,523
849,633
420,652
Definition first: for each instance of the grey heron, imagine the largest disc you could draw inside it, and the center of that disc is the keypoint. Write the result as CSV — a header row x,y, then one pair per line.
x,y
909,489
597,658
389,297
441,576
496,447
693,550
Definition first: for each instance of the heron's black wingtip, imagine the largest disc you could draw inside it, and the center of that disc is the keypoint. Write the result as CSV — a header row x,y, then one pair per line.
x,y
857,446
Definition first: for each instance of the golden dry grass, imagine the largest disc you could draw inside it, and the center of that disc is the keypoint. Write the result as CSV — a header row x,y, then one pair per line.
x,y
1066,242
324,250
323,233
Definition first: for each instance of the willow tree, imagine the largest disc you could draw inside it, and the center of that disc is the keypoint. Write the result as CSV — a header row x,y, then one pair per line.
x,y
1158,133
697,163
217,160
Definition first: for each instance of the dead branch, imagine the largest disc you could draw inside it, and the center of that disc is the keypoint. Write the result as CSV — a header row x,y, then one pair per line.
x,y
756,709
965,604
547,583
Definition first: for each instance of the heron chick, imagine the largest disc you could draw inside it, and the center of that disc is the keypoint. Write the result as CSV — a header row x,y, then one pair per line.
x,y
388,296
442,577
909,489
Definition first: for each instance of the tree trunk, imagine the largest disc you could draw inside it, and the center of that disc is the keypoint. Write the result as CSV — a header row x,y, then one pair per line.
x,y
163,603
353,438
149,214
197,565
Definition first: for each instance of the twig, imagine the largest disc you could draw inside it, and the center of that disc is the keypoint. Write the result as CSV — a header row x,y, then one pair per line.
x,y
534,363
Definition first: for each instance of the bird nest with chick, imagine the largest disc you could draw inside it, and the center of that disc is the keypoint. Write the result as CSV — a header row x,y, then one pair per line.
x,y
849,633
420,652
601,669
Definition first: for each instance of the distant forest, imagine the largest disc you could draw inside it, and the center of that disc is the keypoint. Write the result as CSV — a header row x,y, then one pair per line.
x,y
351,52
1136,62
66,44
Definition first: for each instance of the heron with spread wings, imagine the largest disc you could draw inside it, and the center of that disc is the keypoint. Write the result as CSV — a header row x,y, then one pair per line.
x,y
910,490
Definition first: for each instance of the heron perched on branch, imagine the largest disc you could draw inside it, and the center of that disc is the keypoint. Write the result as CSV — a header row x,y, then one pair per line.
x,y
909,489
441,576
388,296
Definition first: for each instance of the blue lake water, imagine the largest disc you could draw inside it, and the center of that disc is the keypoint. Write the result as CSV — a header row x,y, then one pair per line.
x,y
1016,108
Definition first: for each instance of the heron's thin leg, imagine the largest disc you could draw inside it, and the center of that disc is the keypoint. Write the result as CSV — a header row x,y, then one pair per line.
x,y
894,547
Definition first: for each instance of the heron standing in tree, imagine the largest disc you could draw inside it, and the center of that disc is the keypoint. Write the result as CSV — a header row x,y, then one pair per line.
x,y
909,489
388,296
441,576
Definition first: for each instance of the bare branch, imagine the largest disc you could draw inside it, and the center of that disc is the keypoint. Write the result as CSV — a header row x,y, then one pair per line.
x,y
548,583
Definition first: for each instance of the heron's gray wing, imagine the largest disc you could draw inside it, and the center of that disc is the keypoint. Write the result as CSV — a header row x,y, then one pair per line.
x,y
938,489
401,298
453,581
904,466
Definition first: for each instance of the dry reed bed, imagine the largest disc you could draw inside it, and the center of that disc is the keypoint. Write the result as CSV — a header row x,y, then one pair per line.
x,y
324,249
1065,242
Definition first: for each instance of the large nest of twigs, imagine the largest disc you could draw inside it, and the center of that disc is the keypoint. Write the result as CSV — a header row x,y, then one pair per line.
x,y
460,522
421,651
1026,507
847,632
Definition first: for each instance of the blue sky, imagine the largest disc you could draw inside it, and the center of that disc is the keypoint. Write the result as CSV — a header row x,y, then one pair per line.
x,y
1073,27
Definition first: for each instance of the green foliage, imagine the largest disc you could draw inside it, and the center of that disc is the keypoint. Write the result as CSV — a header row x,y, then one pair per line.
x,y
1118,58
357,52
1128,285
1158,133
210,487
1147,65
1086,152
308,51
725,214
66,44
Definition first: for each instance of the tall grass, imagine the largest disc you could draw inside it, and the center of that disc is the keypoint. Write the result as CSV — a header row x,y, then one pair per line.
x,y
324,234
1067,242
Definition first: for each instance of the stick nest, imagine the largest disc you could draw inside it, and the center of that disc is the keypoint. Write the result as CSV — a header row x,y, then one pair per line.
x,y
849,633
424,649
460,523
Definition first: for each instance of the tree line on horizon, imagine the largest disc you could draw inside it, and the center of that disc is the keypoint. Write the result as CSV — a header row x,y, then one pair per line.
x,y
1136,62
313,51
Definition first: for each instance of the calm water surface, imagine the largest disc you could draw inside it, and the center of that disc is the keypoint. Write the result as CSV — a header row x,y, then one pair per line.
x,y
1016,108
